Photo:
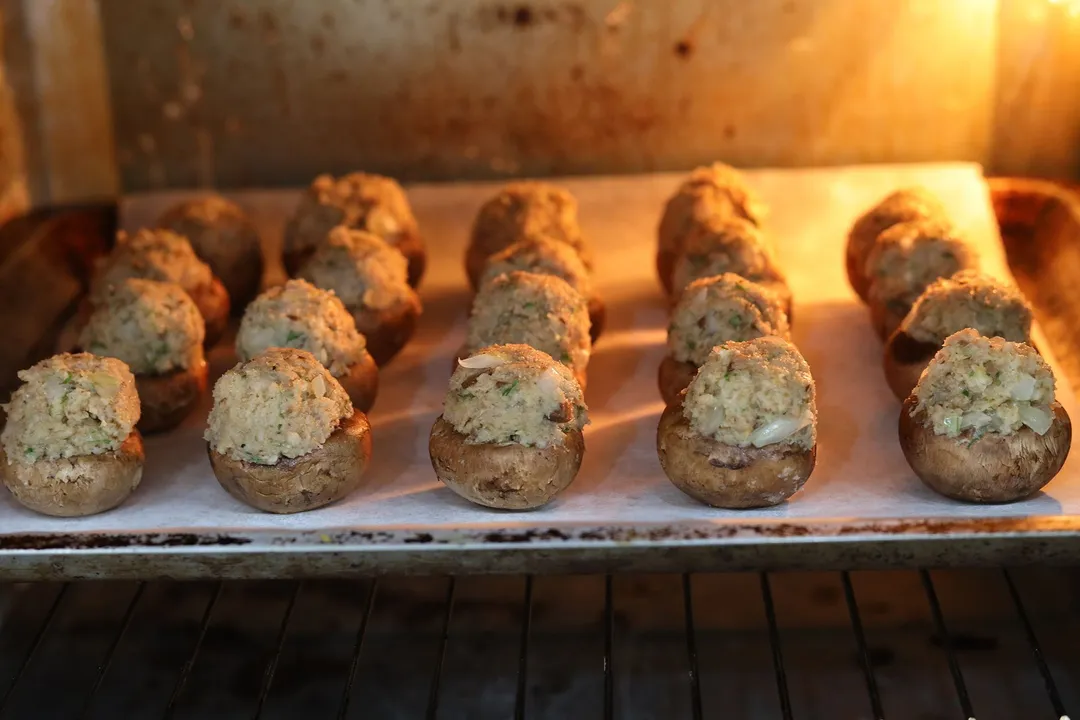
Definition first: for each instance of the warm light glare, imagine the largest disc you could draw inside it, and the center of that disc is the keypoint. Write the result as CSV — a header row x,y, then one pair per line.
x,y
1072,7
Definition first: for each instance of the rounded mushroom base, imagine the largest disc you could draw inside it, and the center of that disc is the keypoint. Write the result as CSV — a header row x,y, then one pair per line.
x,y
475,262
417,258
729,477
77,486
673,377
597,317
293,260
904,362
507,477
387,331
854,265
213,304
990,469
665,270
168,399
361,382
310,481
884,320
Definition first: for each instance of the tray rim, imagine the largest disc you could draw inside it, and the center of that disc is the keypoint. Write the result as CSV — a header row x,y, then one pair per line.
x,y
778,543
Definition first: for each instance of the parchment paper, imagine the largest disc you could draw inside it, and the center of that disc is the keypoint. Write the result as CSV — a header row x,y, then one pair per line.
x,y
861,472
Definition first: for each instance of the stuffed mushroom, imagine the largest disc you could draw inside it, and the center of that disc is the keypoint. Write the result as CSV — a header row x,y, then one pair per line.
x,y
225,238
968,299
510,432
719,245
983,424
359,201
549,257
519,211
371,279
711,312
300,315
70,447
541,311
905,259
167,257
903,205
157,331
283,436
713,190
744,432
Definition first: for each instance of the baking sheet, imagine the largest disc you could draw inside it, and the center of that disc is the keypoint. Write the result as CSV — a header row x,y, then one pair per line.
x,y
861,472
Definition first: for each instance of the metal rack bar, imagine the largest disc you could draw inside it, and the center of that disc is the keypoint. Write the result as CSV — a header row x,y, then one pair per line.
x,y
691,648
864,652
271,666
34,645
777,653
1036,650
433,694
947,643
346,695
185,671
103,668
609,641
521,698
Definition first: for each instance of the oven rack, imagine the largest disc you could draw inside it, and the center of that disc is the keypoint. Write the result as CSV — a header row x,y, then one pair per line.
x,y
180,664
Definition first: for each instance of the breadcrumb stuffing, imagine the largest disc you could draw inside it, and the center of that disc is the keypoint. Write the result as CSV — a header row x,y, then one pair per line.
x,y
514,394
280,404
541,255
754,393
719,309
359,201
977,385
361,269
902,205
154,327
300,315
525,210
712,190
541,311
969,299
908,256
70,405
719,245
153,255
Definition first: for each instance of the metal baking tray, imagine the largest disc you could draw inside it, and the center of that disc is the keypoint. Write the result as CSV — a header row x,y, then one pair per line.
x,y
862,507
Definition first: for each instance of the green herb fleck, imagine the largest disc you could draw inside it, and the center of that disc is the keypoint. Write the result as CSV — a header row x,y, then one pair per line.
x,y
565,357
736,321
691,345
466,395
727,375
529,305
29,452
293,335
509,388
965,393
69,379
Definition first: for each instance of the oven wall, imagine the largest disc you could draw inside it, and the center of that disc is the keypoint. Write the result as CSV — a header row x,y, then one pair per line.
x,y
271,92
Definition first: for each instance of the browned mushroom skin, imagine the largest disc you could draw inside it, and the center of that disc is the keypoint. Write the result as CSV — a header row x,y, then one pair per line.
x,y
510,476
903,205
226,239
989,469
729,477
169,398
361,382
292,485
387,331
905,360
673,376
104,481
